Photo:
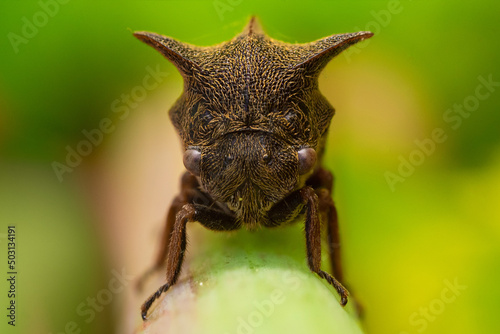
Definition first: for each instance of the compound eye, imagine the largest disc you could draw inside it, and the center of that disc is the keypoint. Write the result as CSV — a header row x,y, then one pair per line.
x,y
192,161
307,159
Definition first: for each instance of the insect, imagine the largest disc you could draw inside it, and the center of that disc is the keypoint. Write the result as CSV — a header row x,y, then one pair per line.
x,y
253,126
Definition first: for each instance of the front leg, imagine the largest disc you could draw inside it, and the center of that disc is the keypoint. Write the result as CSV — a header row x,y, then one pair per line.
x,y
313,241
189,189
322,182
209,217
286,210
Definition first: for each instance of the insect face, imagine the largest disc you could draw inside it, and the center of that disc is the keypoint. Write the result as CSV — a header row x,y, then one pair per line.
x,y
249,171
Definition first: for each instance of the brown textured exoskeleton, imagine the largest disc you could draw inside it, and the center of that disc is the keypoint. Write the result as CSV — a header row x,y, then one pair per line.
x,y
253,125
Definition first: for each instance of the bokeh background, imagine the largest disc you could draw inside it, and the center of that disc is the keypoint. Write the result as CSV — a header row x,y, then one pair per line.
x,y
406,238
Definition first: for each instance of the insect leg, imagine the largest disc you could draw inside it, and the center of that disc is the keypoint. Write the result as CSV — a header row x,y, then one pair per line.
x,y
176,249
313,241
322,182
327,206
208,217
189,186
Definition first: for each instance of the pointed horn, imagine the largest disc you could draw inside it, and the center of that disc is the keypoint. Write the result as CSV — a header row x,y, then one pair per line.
x,y
318,53
253,27
180,54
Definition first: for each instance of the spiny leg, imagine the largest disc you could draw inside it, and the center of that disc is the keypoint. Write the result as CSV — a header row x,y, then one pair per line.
x,y
326,201
211,218
322,182
313,241
286,210
189,186
177,204
175,256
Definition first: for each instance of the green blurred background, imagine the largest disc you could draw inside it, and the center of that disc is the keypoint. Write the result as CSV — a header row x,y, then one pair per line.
x,y
405,241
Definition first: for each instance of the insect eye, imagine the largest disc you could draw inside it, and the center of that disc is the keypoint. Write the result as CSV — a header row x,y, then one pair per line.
x,y
307,159
192,161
